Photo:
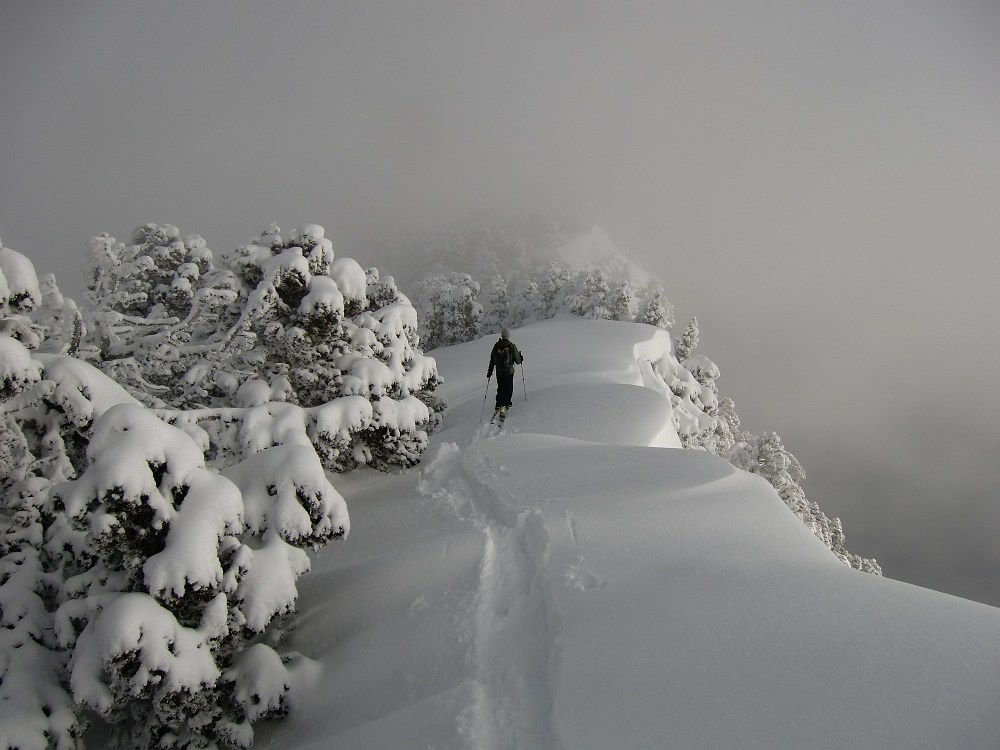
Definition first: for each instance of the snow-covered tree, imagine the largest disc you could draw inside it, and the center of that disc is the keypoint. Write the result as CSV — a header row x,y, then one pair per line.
x,y
450,309
654,307
621,301
136,580
135,574
43,430
496,307
688,342
526,303
178,570
36,711
154,276
727,428
430,315
706,372
19,288
555,285
280,319
150,307
20,293
591,295
57,320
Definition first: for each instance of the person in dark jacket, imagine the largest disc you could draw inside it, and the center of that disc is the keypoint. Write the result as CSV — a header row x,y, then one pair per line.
x,y
503,358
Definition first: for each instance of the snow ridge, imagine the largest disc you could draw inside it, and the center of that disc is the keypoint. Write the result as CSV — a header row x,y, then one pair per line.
x,y
573,582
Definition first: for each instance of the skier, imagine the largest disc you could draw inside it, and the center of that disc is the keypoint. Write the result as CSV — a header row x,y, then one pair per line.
x,y
502,359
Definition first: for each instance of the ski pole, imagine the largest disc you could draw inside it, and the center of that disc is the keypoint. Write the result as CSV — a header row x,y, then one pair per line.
x,y
485,396
522,382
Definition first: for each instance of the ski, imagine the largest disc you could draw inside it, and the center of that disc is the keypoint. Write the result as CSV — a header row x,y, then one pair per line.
x,y
499,416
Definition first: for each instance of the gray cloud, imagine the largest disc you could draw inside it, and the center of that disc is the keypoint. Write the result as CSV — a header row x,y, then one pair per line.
x,y
817,183
926,501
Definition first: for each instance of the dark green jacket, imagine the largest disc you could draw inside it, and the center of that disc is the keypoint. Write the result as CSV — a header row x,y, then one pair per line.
x,y
496,357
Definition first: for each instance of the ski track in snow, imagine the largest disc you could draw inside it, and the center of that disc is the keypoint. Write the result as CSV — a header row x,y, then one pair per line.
x,y
511,696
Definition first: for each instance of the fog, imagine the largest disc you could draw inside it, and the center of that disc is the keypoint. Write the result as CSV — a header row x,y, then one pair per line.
x,y
817,182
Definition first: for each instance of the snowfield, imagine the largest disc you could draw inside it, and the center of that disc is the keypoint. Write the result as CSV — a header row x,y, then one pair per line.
x,y
578,582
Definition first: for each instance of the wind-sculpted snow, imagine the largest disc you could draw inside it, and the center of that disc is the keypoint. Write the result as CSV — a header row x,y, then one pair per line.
x,y
616,414
542,588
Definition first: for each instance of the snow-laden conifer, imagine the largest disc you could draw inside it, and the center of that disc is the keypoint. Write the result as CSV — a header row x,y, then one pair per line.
x,y
164,570
19,289
57,320
180,568
20,294
36,710
527,303
451,307
135,579
496,305
591,297
622,301
655,309
555,285
684,346
152,306
282,318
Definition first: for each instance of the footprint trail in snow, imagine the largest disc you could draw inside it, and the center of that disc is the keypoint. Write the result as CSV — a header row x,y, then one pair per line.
x,y
512,648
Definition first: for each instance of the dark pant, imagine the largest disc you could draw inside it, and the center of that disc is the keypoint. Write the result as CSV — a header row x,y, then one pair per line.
x,y
505,389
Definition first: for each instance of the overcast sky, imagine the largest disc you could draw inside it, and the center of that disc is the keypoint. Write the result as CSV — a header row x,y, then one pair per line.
x,y
819,182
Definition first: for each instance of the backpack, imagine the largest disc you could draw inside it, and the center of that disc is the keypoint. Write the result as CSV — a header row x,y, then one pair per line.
x,y
504,361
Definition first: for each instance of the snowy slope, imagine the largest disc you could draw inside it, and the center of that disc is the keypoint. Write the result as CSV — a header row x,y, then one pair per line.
x,y
576,584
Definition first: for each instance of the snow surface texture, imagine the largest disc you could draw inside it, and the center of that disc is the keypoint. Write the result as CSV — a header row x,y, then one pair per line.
x,y
572,583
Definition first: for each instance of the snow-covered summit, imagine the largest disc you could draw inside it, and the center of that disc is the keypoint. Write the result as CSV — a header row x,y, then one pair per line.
x,y
576,583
